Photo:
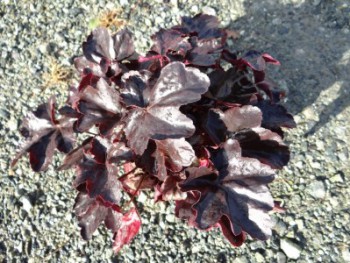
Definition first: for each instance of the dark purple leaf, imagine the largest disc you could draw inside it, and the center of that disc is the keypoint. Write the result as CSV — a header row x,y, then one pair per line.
x,y
169,189
219,123
227,230
176,86
98,105
138,180
91,213
85,67
206,52
170,40
232,86
239,118
275,116
43,135
123,44
99,45
215,127
98,180
257,60
76,155
203,25
184,208
135,89
239,192
264,145
173,154
104,54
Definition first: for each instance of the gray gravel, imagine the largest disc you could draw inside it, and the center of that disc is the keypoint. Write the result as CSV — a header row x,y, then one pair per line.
x,y
312,41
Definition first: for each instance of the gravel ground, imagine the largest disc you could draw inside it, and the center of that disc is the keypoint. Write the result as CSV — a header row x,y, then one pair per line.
x,y
312,41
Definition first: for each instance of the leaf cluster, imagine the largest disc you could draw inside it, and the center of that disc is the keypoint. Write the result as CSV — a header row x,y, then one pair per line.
x,y
175,121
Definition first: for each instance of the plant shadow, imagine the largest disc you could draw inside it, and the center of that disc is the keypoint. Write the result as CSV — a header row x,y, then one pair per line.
x,y
312,43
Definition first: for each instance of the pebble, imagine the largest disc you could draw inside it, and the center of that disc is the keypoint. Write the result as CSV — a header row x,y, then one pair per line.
x,y
209,11
170,218
346,255
259,258
310,114
4,114
142,198
194,9
123,2
317,190
291,249
281,257
241,259
12,124
26,203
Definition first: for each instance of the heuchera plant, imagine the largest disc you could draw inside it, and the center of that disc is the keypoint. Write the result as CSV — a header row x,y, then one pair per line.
x,y
192,120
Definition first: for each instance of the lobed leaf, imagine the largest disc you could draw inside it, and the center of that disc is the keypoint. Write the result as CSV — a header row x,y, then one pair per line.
x,y
98,105
275,116
91,213
239,192
172,154
176,86
264,145
43,135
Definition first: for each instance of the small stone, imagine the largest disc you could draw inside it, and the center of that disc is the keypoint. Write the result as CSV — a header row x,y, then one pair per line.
x,y
320,145
26,203
4,114
209,11
259,258
12,124
291,249
317,190
170,218
173,3
315,165
194,9
241,259
142,198
334,202
346,255
124,2
280,227
281,258
196,248
257,245
300,224
310,114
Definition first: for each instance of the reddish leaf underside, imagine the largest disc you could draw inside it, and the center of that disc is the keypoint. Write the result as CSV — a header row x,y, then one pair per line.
x,y
129,227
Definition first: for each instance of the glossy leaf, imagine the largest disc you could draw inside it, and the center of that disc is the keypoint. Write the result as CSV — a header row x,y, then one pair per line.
x,y
44,134
162,119
239,192
232,85
172,154
98,105
203,25
275,116
264,145
170,41
91,213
